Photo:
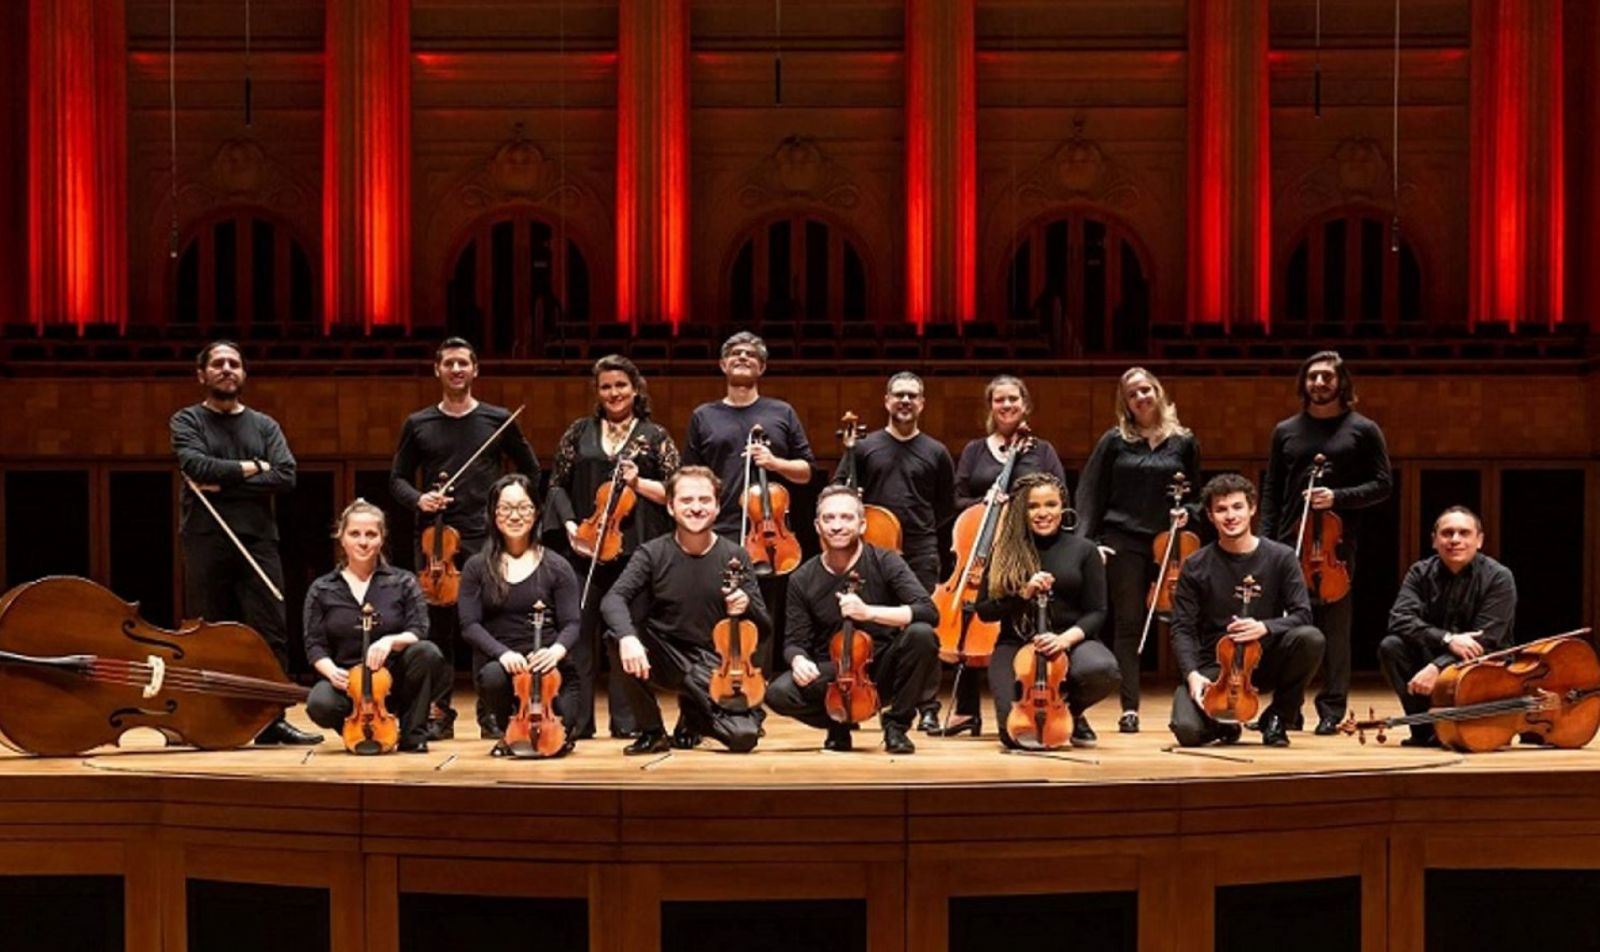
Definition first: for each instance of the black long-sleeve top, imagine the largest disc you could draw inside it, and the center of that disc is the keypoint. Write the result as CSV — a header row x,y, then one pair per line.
x,y
1078,596
678,596
1123,497
812,613
717,434
977,469
1434,602
433,442
582,466
495,628
914,479
210,446
1203,603
1358,471
332,615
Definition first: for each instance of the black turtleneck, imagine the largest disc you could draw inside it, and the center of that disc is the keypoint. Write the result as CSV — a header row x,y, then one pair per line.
x,y
1078,596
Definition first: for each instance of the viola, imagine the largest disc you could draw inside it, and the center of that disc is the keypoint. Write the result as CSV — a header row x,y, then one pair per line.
x,y
440,579
772,545
851,697
1170,550
882,527
1039,719
370,729
600,535
1547,689
1317,545
534,731
737,683
79,667
1232,698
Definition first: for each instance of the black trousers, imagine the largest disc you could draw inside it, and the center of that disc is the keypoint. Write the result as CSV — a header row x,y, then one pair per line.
x,y
444,622
1334,622
1287,663
905,668
1400,659
1091,677
590,651
1129,573
219,585
499,698
686,668
418,670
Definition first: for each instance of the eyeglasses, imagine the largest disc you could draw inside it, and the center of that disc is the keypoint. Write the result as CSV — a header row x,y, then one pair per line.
x,y
903,395
744,352
522,509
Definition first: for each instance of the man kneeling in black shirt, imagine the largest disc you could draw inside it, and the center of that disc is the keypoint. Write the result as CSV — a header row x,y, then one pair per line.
x,y
1204,611
891,608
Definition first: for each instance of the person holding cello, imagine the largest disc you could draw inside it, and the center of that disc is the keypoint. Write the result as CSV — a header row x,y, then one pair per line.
x,y
239,459
889,607
618,440
1206,610
440,439
1034,553
500,586
661,613
1125,502
332,630
1357,478
1455,605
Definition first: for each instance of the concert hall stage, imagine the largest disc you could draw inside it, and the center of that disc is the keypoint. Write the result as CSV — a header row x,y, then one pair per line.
x,y
904,850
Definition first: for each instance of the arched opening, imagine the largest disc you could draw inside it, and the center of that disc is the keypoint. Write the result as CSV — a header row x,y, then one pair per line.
x,y
1083,276
513,282
1342,275
797,268
243,268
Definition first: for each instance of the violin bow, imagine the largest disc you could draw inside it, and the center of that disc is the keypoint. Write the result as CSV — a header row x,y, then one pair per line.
x,y
638,445
744,510
1319,467
486,444
1166,557
228,530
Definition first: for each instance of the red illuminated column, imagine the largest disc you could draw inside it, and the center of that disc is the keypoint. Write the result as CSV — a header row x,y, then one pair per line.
x,y
1230,195
77,162
941,162
652,161
366,163
1518,167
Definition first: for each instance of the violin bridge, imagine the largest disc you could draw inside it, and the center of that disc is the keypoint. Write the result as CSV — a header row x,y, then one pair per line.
x,y
158,673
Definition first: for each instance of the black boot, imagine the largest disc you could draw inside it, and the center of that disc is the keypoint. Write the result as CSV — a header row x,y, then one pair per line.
x,y
928,721
1273,731
649,742
281,731
838,739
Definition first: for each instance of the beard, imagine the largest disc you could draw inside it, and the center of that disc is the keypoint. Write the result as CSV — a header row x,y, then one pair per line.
x,y
223,396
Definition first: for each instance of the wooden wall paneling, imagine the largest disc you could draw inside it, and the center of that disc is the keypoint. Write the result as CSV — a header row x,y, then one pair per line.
x,y
382,903
1192,919
341,873
642,892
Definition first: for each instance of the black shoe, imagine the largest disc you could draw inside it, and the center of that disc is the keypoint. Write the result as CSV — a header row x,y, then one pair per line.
x,y
1228,734
685,739
420,747
489,730
1128,723
619,734
838,738
972,725
1429,739
1273,733
895,740
443,727
281,731
1295,723
1327,726
929,721
649,742
1082,734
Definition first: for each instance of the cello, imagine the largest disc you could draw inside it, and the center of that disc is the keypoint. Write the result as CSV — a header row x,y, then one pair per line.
x,y
772,545
1316,545
851,697
1171,549
882,527
1039,719
1547,689
1232,698
534,731
79,667
440,579
370,729
737,683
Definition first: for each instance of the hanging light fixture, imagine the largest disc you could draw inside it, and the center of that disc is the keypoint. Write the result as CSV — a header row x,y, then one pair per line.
x,y
172,119
247,104
1394,145
777,52
1316,67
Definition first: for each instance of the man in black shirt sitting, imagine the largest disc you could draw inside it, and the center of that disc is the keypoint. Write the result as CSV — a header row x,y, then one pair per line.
x,y
891,607
1205,610
1453,606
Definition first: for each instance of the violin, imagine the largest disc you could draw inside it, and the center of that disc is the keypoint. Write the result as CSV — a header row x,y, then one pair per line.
x,y
1170,549
370,729
737,683
601,533
1039,719
851,697
534,731
772,545
1317,545
1547,689
79,667
1232,698
440,579
882,527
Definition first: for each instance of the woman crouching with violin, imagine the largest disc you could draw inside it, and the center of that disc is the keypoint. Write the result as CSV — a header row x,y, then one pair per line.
x,y
500,586
1034,555
607,492
333,633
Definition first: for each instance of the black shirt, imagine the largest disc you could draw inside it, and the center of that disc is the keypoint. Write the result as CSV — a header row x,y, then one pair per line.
x,y
1078,596
1434,602
1203,603
977,469
435,442
333,616
717,434
1123,498
581,467
812,613
1358,471
210,446
678,595
495,628
914,479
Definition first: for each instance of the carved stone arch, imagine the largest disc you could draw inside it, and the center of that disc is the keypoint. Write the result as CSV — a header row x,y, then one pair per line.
x,y
845,251
239,245
1404,274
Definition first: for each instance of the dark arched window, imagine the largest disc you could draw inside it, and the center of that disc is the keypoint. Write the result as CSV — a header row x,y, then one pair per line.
x,y
1083,277
797,268
512,281
1342,274
246,269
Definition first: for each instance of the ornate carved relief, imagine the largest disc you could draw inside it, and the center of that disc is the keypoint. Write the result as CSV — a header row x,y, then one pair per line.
x,y
1079,170
518,171
1357,170
241,172
799,169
